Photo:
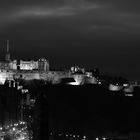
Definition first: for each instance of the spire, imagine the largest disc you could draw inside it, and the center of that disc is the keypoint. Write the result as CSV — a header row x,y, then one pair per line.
x,y
7,56
7,46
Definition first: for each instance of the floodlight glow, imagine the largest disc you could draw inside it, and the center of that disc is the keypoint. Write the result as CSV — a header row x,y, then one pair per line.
x,y
125,85
84,137
74,83
115,87
130,95
2,79
14,128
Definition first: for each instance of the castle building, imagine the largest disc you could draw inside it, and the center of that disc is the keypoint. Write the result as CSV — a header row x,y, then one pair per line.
x,y
28,65
4,65
13,65
41,65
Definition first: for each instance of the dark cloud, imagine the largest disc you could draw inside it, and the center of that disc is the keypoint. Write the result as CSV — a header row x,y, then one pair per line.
x,y
108,13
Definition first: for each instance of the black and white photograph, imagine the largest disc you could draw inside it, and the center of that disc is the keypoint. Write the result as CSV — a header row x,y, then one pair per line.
x,y
69,70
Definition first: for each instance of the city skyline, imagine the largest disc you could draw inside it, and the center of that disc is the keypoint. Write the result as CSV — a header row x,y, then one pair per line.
x,y
9,57
83,32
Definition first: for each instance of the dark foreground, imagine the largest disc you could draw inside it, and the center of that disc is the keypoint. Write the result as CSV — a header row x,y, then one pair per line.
x,y
77,110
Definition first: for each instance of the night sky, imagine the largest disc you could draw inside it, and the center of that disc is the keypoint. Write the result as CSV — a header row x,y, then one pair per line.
x,y
88,33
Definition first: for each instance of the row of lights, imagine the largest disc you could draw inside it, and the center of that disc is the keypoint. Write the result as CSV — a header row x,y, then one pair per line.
x,y
78,136
101,138
69,135
13,125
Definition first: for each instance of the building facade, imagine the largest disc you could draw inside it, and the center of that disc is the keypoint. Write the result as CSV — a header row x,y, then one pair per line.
x,y
40,65
43,64
28,65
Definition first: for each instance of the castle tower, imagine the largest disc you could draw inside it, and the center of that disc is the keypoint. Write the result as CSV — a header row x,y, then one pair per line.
x,y
7,56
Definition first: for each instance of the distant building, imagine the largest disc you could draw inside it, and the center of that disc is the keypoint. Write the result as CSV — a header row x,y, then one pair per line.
x,y
28,65
4,65
13,65
77,69
43,64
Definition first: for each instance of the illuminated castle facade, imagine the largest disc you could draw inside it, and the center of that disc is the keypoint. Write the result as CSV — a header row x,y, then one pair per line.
x,y
41,65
